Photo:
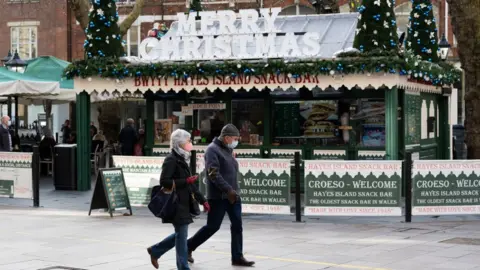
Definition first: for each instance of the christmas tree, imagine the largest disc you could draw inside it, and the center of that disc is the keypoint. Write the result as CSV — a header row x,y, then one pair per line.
x,y
377,26
195,6
103,33
422,31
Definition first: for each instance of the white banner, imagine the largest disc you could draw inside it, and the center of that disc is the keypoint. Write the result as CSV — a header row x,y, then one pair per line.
x,y
16,175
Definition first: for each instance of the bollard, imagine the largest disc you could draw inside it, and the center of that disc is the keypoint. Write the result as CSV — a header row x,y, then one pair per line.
x,y
107,158
298,203
193,166
193,162
408,187
36,176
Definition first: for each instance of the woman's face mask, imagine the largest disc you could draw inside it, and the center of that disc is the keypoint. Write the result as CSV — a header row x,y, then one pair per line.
x,y
188,147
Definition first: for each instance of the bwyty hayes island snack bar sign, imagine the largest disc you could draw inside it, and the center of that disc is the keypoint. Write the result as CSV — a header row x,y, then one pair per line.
x,y
446,187
226,42
352,188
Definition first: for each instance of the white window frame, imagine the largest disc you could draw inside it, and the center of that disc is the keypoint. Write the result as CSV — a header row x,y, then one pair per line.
x,y
26,24
126,3
128,46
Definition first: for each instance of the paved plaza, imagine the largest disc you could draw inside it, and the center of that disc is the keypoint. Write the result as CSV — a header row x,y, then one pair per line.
x,y
62,234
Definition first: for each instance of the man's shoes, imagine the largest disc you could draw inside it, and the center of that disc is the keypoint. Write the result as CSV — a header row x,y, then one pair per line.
x,y
190,257
153,260
242,262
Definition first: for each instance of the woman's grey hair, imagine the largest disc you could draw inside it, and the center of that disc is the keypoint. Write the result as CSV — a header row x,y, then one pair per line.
x,y
179,137
47,132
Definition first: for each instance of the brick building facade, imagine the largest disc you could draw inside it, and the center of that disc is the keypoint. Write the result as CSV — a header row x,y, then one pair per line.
x,y
40,27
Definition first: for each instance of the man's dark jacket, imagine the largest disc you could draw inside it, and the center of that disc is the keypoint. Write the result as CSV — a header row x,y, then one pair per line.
x,y
128,138
4,140
221,170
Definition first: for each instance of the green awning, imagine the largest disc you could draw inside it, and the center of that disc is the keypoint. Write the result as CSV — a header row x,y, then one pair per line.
x,y
19,84
49,68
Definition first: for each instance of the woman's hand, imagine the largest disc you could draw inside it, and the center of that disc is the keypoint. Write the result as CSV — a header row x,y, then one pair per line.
x,y
206,207
192,179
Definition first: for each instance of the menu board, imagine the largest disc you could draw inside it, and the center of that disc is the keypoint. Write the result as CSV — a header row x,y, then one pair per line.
x,y
110,191
287,122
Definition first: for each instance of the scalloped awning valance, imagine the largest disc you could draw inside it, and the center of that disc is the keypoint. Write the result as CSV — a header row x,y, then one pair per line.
x,y
140,85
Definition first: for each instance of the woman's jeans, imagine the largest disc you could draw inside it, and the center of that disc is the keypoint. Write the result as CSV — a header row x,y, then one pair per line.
x,y
177,240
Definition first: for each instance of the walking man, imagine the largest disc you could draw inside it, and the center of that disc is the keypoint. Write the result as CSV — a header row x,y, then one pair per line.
x,y
5,137
128,138
222,168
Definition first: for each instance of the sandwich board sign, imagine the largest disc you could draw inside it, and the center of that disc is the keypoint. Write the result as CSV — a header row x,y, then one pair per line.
x,y
110,192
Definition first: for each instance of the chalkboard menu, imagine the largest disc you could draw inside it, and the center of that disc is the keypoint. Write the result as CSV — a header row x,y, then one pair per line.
x,y
287,123
110,191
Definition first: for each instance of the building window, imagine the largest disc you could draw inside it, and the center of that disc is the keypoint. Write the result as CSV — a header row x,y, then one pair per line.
x,y
24,40
22,1
133,40
125,2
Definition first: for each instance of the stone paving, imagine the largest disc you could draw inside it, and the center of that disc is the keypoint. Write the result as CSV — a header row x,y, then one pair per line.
x,y
62,234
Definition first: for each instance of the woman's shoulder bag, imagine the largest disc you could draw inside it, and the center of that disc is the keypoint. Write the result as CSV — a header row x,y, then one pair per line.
x,y
163,202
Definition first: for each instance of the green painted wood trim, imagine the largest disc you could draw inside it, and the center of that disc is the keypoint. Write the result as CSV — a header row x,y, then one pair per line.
x,y
227,98
188,119
391,125
150,125
444,128
267,117
83,142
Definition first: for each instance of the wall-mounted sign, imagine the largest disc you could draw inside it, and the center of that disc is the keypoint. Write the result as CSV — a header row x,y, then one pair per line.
x,y
187,110
208,106
210,42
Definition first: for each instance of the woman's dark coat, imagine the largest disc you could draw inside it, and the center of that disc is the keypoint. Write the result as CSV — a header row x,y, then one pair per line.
x,y
175,168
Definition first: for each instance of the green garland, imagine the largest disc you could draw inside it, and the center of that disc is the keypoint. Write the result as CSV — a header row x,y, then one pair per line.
x,y
348,63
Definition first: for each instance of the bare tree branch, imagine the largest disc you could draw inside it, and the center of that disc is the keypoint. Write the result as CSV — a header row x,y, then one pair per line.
x,y
81,8
132,17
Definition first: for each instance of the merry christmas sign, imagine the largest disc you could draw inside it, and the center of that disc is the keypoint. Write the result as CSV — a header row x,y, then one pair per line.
x,y
217,36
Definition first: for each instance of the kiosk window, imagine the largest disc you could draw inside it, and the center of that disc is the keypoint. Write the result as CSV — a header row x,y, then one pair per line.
x,y
368,120
247,116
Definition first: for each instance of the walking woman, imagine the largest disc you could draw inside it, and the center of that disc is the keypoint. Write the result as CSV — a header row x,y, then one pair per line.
x,y
176,171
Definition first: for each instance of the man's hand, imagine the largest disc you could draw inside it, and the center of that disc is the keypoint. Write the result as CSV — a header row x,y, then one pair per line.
x,y
232,196
192,179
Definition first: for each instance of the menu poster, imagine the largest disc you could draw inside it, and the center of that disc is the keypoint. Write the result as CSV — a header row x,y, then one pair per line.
x,y
163,130
110,192
320,118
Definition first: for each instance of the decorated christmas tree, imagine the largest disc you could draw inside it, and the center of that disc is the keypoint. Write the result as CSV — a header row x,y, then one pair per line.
x,y
103,33
377,26
195,6
422,31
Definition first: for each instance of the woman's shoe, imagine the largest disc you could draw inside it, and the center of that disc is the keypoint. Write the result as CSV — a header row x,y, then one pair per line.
x,y
153,260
